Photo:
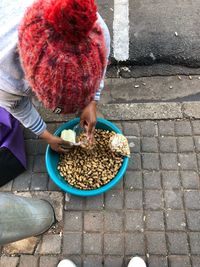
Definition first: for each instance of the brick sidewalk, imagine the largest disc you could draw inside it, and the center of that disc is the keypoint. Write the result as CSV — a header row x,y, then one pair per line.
x,y
154,212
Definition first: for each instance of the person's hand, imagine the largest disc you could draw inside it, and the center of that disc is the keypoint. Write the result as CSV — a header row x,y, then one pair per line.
x,y
88,120
56,143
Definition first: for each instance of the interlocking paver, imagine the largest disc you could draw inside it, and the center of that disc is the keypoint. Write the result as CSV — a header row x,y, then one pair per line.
x,y
9,261
134,144
177,243
190,179
114,199
187,161
156,243
72,243
185,144
113,244
153,199
73,221
149,128
134,221
192,199
39,181
170,179
152,180
173,199
51,244
150,161
154,220
133,199
90,261
74,203
22,182
134,244
135,161
195,261
183,128
196,127
193,219
175,220
92,243
159,261
28,260
93,221
113,221
197,143
39,164
49,261
149,144
179,261
167,144
131,129
111,261
194,238
166,128
169,161
133,180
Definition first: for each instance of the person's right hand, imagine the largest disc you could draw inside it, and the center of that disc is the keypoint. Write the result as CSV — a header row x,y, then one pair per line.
x,y
56,143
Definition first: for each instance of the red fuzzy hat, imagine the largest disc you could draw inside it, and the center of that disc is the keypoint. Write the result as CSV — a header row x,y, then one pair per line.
x,y
63,53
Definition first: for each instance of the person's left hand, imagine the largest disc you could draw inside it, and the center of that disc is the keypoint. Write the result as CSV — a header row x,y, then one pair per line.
x,y
88,120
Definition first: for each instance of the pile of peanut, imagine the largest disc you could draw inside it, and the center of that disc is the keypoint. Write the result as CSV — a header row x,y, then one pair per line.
x,y
88,169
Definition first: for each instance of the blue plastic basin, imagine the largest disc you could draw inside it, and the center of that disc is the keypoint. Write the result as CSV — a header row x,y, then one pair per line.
x,y
52,159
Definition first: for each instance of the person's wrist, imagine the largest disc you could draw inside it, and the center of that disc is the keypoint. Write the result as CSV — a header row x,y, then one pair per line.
x,y
46,135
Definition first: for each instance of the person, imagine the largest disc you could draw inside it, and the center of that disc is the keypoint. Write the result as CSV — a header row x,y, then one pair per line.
x,y
56,51
134,262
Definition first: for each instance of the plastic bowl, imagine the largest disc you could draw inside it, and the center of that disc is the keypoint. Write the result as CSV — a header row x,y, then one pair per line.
x,y
52,159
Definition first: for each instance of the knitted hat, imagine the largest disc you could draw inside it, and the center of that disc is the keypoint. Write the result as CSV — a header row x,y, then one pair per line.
x,y
63,53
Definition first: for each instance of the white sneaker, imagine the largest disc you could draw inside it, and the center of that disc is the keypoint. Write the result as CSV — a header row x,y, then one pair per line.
x,y
137,262
66,263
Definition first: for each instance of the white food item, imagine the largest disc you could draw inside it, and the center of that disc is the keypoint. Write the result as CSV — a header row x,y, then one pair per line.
x,y
68,135
119,143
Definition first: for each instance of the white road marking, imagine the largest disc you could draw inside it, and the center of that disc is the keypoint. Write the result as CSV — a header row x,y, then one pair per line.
x,y
121,30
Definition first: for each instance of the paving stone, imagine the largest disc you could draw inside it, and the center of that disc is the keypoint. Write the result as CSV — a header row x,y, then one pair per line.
x,y
185,144
154,220
193,219
170,179
153,199
190,179
150,161
134,144
72,243
74,203
28,260
169,161
41,147
93,221
52,127
7,187
131,129
192,199
133,199
92,243
91,261
177,243
196,127
179,261
113,244
113,221
73,221
29,134
149,128
39,181
134,221
197,143
95,203
111,261
175,220
31,146
195,242
119,185
168,144
152,180
134,244
166,128
173,199
195,261
9,261
22,182
51,244
183,128
133,180
39,164
156,243
114,199
188,161
134,162
49,261
30,161
119,125
149,144
52,186
157,261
